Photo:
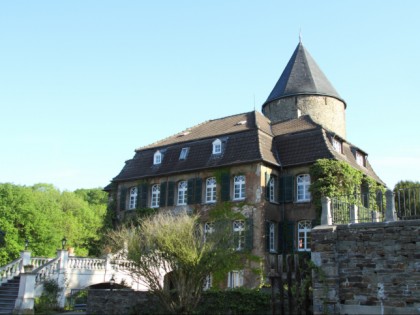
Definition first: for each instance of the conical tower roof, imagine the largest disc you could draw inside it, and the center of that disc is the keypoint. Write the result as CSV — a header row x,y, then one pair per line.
x,y
302,76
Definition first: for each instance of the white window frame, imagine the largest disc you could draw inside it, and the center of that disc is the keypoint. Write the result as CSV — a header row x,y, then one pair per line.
x,y
272,237
217,146
239,230
303,182
132,201
235,279
337,145
157,158
184,153
208,229
208,282
304,236
271,187
239,183
155,200
211,190
360,158
182,193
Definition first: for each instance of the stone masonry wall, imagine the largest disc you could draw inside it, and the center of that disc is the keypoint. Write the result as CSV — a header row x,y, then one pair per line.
x,y
369,268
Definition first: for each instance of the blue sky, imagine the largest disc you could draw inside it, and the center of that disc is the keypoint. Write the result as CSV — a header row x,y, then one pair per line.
x,y
84,83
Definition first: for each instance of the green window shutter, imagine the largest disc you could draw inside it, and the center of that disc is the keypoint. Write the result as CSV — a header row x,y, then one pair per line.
x,y
190,191
267,189
249,233
281,238
123,198
162,201
267,236
171,193
290,237
142,195
286,189
225,187
198,190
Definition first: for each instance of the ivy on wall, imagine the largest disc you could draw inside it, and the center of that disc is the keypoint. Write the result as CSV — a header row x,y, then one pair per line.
x,y
332,178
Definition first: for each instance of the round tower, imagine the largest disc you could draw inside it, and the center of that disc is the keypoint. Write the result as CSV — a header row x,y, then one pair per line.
x,y
303,89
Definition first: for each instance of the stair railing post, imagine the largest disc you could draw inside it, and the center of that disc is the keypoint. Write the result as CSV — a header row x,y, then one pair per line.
x,y
62,272
390,213
26,259
26,297
326,217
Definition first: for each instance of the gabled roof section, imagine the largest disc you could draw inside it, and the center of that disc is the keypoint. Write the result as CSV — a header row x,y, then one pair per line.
x,y
301,142
211,128
302,76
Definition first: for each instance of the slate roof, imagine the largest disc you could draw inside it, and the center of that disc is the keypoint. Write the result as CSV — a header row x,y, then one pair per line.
x,y
302,141
302,76
291,143
245,138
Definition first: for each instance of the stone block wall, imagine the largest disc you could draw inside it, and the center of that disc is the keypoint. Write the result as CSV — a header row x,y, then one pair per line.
x,y
371,268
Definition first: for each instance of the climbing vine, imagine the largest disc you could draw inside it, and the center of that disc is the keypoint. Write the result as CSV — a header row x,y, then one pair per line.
x,y
334,178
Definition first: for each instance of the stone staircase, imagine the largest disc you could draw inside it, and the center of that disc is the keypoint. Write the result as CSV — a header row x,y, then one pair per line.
x,y
8,295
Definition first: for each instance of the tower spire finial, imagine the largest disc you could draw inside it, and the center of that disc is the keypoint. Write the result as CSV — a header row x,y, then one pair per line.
x,y
300,35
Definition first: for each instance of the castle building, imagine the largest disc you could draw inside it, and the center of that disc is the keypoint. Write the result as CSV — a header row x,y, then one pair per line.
x,y
258,162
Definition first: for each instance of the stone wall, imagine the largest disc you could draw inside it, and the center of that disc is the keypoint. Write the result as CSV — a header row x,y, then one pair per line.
x,y
371,268
120,302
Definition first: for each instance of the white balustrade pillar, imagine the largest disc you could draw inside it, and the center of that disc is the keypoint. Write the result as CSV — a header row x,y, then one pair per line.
x,y
390,213
26,259
326,218
62,270
354,214
26,297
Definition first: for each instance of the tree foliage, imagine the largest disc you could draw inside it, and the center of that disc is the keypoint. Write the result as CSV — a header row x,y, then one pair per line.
x,y
43,215
176,246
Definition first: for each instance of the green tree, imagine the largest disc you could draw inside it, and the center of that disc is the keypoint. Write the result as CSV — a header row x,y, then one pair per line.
x,y
176,246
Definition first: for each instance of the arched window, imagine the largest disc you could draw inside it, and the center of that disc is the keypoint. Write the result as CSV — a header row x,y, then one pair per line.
x,y
304,236
155,196
211,190
182,192
239,187
217,146
132,204
157,157
303,183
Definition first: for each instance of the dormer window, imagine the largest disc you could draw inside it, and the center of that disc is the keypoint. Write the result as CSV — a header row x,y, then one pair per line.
x,y
217,146
360,159
184,153
337,145
157,158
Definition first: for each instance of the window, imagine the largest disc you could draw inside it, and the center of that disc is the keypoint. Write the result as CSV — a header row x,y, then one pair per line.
x,y
157,157
184,153
360,158
239,187
217,146
337,145
303,182
235,279
272,190
239,234
182,193
155,196
207,282
272,237
210,190
208,229
132,204
304,236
